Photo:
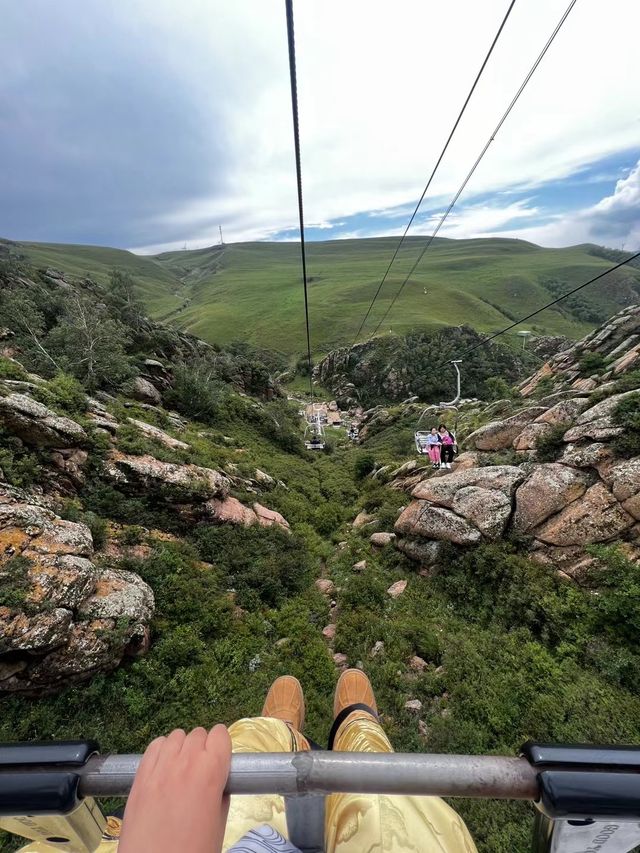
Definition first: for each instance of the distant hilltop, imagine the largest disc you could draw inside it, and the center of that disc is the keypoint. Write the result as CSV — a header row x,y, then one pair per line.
x,y
252,291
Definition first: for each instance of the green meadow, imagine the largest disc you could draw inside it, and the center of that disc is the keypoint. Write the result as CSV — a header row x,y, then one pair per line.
x,y
253,291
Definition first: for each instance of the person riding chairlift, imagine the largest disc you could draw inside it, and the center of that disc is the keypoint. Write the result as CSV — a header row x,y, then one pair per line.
x,y
448,441
178,803
434,444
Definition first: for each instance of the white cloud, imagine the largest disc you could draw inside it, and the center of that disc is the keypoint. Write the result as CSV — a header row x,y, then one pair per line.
x,y
380,85
613,221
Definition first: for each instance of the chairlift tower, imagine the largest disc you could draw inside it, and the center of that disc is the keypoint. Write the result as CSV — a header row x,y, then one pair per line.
x,y
524,334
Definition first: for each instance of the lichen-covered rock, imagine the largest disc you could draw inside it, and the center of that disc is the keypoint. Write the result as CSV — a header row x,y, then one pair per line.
x,y
159,435
596,517
488,509
426,553
442,490
604,409
564,411
601,429
37,425
381,539
20,632
624,481
529,436
499,435
269,517
61,617
423,519
229,510
363,518
119,594
549,489
586,455
181,482
145,391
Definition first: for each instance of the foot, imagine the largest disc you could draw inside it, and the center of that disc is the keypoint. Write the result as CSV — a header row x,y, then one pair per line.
x,y
353,688
285,701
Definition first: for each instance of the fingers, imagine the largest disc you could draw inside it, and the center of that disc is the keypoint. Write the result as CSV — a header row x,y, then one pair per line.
x,y
150,757
218,741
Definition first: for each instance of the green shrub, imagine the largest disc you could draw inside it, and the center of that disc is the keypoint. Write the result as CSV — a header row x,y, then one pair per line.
x,y
627,415
10,369
591,362
497,388
328,518
14,583
264,565
20,467
197,392
364,464
549,444
67,394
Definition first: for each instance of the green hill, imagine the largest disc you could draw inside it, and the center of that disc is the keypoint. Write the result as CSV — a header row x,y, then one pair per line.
x,y
252,291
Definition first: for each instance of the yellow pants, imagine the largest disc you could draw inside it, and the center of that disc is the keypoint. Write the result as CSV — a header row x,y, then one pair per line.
x,y
353,822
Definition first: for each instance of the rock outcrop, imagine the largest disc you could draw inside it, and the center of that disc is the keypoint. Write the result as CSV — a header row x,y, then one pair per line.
x,y
62,617
168,479
618,342
37,425
587,496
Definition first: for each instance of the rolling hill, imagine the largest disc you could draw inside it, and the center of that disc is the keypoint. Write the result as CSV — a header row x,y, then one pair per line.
x,y
252,291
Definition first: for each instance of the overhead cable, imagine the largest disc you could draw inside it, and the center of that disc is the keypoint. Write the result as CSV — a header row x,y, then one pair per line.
x,y
296,139
492,136
544,308
435,168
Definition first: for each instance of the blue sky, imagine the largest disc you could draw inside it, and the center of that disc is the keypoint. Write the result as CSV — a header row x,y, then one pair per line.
x,y
144,124
533,208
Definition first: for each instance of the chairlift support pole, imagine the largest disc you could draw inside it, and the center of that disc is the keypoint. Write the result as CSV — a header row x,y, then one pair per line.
x,y
456,399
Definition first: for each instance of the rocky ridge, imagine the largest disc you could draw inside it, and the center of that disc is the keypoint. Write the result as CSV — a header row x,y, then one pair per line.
x,y
587,496
67,611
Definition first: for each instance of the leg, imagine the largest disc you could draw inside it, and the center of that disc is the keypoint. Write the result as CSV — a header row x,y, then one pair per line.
x,y
385,824
277,730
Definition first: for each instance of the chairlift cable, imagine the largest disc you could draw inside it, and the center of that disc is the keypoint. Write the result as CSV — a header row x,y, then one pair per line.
x,y
478,161
544,308
296,139
435,168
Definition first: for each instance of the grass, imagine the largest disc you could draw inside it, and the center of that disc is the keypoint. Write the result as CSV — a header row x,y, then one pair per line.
x,y
252,291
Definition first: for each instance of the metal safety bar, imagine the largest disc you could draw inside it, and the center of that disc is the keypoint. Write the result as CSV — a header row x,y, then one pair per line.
x,y
318,772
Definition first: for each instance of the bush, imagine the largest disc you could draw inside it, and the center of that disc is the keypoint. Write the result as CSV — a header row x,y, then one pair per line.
x,y
627,415
591,362
497,388
19,466
197,392
67,394
264,565
12,370
363,465
550,443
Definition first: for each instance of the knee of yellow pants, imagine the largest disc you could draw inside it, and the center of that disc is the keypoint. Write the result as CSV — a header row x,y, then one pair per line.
x,y
356,822
259,734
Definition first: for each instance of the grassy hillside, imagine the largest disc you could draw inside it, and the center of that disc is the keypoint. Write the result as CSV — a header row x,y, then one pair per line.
x,y
158,287
252,291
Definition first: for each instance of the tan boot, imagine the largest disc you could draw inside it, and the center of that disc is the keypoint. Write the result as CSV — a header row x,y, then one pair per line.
x,y
353,687
285,701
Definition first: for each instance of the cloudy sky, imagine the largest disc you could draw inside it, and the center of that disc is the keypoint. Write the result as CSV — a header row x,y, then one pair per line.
x,y
145,124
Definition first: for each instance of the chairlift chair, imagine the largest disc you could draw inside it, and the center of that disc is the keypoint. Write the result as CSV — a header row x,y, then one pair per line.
x,y
587,796
314,435
420,436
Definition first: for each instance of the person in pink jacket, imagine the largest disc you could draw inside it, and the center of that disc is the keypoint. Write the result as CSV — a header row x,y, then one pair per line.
x,y
434,443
